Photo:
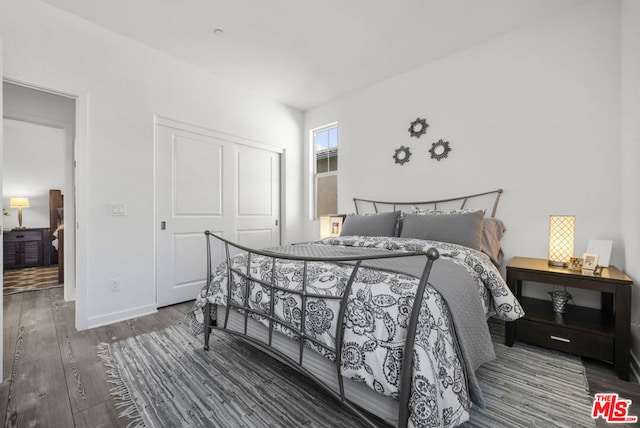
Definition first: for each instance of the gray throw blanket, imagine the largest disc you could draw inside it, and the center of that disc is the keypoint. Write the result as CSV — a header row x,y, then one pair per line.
x,y
452,281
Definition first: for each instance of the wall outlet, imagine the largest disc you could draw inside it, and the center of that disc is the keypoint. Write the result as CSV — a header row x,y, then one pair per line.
x,y
114,284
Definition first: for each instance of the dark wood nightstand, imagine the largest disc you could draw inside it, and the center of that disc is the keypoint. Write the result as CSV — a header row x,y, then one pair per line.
x,y
603,334
26,248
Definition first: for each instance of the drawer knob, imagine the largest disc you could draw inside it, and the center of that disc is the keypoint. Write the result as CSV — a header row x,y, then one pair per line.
x,y
560,339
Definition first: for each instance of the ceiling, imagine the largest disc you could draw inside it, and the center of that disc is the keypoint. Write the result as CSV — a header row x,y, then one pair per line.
x,y
304,53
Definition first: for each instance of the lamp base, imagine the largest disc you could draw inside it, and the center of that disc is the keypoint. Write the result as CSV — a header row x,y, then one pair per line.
x,y
558,264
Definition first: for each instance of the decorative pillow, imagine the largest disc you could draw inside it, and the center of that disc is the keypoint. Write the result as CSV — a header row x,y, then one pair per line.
x,y
492,232
383,224
462,229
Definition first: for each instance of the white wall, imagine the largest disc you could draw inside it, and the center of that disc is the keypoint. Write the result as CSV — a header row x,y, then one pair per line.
x,y
33,164
630,185
535,112
122,86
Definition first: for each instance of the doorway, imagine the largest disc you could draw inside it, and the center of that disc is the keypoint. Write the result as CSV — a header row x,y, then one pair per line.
x,y
39,133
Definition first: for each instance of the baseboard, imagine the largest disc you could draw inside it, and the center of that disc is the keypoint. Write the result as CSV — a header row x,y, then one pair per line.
x,y
635,369
114,317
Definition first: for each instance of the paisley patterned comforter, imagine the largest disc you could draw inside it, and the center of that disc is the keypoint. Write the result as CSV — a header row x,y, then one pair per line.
x,y
376,319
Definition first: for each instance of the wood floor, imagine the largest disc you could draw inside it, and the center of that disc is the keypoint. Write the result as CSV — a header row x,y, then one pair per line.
x,y
54,378
52,374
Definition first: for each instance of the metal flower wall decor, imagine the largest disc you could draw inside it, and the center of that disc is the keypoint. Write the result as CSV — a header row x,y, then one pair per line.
x,y
439,150
402,155
418,127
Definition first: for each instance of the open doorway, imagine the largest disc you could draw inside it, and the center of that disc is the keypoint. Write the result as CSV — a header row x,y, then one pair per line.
x,y
38,153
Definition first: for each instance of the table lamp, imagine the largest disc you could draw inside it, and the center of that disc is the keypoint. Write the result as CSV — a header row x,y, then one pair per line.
x,y
561,239
19,203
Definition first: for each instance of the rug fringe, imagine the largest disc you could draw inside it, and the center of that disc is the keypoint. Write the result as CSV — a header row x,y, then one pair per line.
x,y
124,400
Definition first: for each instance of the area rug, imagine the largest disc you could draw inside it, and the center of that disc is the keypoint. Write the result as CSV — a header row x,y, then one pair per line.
x,y
30,279
527,386
164,378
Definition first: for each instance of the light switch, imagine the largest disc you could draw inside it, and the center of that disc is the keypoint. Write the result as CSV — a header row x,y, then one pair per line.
x,y
118,209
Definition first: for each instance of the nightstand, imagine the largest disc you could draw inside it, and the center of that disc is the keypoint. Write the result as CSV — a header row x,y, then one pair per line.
x,y
603,334
26,248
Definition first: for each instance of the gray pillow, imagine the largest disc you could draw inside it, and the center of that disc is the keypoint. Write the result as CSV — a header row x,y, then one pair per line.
x,y
383,224
462,229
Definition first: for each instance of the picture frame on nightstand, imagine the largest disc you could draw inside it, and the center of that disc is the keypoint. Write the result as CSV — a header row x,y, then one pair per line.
x,y
590,261
335,225
575,264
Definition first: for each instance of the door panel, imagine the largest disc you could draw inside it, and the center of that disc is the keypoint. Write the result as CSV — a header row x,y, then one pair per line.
x,y
255,183
258,197
198,165
209,183
257,238
190,200
188,258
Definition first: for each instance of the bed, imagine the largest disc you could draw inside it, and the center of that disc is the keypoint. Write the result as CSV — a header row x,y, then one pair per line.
x,y
389,317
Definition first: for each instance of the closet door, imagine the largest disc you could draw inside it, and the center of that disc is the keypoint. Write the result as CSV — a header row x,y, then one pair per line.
x,y
207,181
257,212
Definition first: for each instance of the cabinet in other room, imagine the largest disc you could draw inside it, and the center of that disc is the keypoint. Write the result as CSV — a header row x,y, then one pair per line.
x,y
26,248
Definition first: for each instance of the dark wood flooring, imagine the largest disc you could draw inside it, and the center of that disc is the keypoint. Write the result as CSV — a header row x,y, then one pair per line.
x,y
52,374
54,378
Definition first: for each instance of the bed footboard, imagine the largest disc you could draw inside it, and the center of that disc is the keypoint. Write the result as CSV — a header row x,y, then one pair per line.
x,y
268,314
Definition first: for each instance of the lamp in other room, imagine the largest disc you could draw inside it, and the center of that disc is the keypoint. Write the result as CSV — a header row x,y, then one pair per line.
x,y
19,203
561,239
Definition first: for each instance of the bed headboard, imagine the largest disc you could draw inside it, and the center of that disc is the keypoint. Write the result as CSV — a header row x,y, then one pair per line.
x,y
487,201
56,200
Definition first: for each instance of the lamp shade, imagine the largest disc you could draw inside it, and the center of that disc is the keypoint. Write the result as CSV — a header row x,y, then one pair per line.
x,y
325,227
561,239
19,202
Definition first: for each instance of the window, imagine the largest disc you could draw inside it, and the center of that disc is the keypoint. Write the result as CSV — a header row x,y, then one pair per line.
x,y
325,151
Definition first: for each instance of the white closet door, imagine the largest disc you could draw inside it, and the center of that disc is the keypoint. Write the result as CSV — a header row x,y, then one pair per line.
x,y
258,197
205,182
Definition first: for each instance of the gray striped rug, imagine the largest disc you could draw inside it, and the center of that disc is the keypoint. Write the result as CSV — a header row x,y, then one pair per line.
x,y
165,379
526,386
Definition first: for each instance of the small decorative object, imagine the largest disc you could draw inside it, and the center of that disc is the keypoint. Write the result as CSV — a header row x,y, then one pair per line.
x,y
331,225
402,155
418,127
439,150
336,225
6,212
575,264
19,202
590,261
602,248
561,239
559,299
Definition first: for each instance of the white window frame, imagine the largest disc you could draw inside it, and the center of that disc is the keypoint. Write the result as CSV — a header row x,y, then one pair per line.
x,y
312,161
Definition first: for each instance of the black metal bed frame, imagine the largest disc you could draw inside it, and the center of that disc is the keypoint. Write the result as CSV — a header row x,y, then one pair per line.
x,y
379,206
407,361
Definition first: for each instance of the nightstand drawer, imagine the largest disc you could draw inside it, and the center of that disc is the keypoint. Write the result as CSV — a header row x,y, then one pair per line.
x,y
565,339
23,235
